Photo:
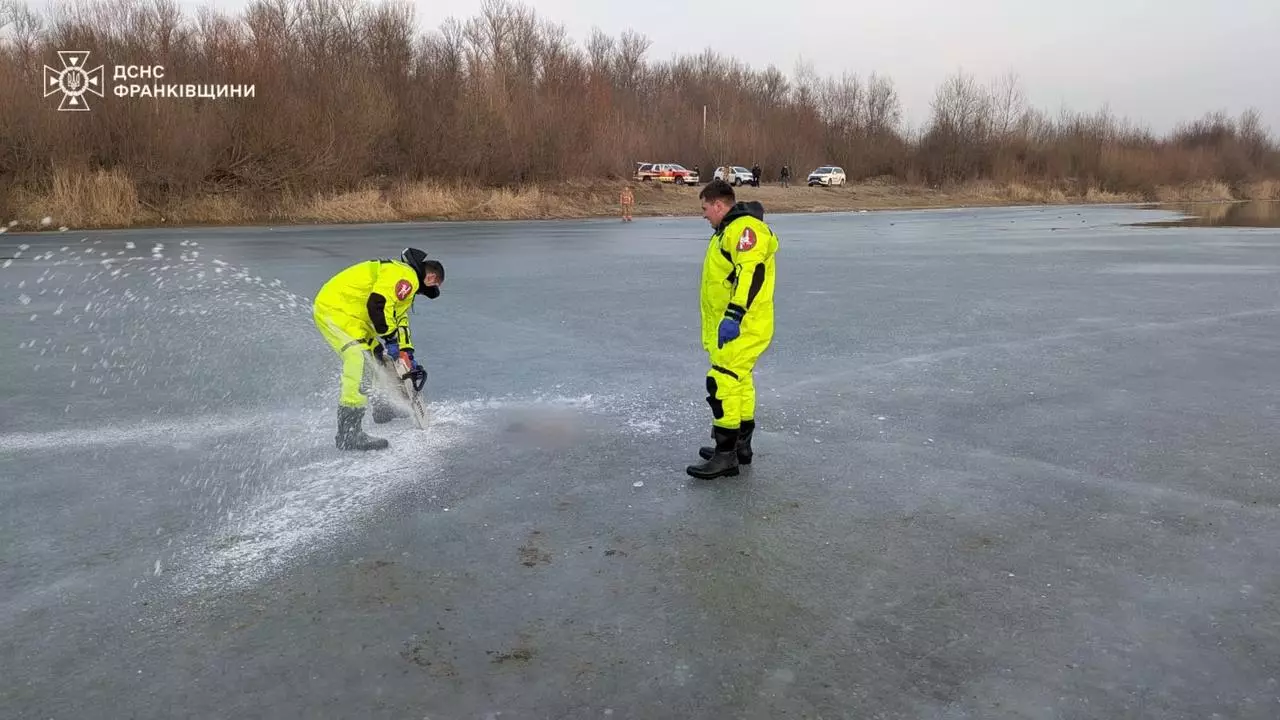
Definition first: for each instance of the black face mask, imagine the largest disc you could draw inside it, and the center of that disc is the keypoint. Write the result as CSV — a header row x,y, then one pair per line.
x,y
431,291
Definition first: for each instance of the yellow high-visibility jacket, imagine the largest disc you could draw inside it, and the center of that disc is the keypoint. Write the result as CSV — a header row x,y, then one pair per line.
x,y
371,300
738,276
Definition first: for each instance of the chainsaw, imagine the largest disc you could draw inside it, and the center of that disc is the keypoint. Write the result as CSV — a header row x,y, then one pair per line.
x,y
412,383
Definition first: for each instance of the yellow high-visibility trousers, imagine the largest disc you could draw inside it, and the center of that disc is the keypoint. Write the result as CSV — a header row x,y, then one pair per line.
x,y
731,391
352,351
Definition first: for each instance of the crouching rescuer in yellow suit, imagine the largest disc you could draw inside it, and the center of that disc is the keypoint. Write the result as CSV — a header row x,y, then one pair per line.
x,y
365,309
737,322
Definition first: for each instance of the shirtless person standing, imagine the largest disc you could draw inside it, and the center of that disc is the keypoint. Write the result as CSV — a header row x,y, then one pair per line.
x,y
628,200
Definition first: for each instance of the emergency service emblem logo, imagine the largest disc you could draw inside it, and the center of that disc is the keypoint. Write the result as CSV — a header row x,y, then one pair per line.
x,y
747,240
73,80
403,288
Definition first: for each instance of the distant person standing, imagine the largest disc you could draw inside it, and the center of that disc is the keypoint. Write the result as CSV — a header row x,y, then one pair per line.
x,y
786,176
755,174
627,199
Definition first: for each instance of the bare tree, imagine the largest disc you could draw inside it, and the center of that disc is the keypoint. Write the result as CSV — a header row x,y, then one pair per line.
x,y
600,53
24,29
883,109
1008,103
348,93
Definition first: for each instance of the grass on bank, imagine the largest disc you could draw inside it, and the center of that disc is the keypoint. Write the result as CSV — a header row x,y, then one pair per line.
x,y
110,199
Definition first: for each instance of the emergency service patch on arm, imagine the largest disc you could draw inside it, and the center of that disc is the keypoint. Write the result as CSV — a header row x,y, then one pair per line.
x,y
751,251
403,289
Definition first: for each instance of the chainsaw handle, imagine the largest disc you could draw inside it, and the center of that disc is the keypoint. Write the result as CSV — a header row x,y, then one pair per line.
x,y
417,377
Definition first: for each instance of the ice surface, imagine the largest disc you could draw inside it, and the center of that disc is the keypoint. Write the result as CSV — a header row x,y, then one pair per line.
x,y
984,443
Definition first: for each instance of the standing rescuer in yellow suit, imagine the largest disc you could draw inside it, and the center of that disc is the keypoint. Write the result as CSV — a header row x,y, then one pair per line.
x,y
737,322
365,308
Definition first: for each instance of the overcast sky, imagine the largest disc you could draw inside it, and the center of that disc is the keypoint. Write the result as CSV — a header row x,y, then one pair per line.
x,y
1157,62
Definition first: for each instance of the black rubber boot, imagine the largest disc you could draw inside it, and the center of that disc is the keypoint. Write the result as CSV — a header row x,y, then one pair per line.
x,y
351,436
744,444
723,461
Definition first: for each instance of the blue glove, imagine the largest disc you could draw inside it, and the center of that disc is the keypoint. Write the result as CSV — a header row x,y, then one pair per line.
x,y
729,329
391,349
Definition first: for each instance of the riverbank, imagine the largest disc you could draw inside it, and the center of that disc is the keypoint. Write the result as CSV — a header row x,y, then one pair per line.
x,y
110,200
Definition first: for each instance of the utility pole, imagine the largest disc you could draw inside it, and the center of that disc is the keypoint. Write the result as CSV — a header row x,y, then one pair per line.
x,y
704,132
